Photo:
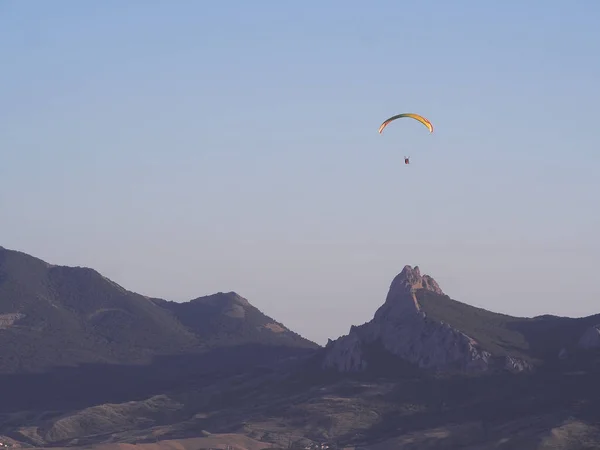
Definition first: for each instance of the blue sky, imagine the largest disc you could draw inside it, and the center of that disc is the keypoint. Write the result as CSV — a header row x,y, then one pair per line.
x,y
184,148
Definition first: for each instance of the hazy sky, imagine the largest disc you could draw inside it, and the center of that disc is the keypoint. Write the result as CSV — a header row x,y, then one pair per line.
x,y
187,147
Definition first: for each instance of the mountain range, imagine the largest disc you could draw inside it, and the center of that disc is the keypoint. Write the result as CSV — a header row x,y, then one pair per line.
x,y
65,329
85,361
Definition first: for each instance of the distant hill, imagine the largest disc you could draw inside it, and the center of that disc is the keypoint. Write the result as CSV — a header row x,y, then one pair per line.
x,y
62,316
419,327
87,327
227,318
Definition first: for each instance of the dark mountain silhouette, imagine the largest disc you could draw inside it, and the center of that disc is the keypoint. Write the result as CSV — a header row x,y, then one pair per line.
x,y
71,329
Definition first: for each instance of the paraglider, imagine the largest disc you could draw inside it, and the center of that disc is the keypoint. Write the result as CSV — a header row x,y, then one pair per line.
x,y
417,117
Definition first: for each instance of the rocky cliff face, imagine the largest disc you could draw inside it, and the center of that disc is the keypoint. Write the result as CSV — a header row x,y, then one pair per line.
x,y
402,327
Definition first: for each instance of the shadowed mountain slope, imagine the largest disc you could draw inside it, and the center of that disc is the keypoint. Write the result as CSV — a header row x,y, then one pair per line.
x,y
66,330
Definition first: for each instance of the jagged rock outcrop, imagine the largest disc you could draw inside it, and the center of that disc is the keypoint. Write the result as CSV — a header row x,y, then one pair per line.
x,y
404,330
591,338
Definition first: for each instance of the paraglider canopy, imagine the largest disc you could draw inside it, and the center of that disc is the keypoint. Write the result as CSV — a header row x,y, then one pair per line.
x,y
418,117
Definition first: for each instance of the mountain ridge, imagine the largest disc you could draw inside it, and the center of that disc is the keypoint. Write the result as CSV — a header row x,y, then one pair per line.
x,y
416,312
420,324
63,315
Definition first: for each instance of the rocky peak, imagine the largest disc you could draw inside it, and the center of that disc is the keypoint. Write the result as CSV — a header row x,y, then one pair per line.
x,y
410,279
222,299
401,299
403,329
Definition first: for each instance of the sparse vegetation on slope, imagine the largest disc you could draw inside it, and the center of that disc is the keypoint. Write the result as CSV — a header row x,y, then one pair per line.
x,y
491,330
225,318
74,315
538,339
64,331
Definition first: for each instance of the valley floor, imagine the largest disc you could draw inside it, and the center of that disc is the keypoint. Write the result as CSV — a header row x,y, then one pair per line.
x,y
276,410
